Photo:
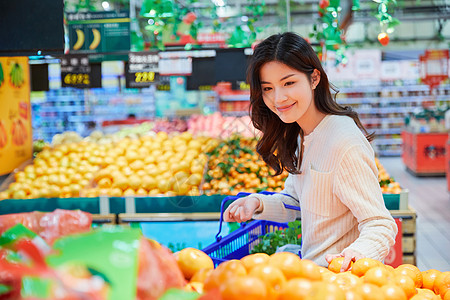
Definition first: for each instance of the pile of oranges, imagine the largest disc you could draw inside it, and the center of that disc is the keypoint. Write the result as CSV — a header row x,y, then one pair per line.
x,y
284,276
387,183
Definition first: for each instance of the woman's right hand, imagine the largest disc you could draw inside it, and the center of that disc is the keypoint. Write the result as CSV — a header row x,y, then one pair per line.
x,y
242,209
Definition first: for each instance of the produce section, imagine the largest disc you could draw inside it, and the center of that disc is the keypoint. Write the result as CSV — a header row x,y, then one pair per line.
x,y
127,146
145,160
79,270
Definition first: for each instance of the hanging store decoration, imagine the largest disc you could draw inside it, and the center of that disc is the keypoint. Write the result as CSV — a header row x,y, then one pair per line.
x,y
387,21
245,35
434,67
330,30
169,22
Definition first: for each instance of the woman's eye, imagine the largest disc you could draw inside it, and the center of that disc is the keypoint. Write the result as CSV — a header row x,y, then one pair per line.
x,y
265,89
289,83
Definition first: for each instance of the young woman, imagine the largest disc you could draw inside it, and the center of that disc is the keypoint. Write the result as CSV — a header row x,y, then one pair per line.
x,y
331,165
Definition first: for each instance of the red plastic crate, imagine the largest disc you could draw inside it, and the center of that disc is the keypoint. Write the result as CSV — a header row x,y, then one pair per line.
x,y
424,153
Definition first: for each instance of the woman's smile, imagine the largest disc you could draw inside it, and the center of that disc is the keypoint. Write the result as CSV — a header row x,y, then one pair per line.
x,y
285,107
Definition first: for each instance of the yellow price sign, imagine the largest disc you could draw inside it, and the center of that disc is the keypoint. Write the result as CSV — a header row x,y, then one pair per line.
x,y
205,88
163,87
243,86
144,76
77,79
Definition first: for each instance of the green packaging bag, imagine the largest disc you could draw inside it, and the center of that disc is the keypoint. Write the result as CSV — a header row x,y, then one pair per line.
x,y
107,255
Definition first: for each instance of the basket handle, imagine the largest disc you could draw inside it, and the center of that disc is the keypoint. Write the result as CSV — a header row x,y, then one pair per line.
x,y
243,194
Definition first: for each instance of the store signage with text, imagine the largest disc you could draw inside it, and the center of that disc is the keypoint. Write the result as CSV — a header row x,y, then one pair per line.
x,y
95,32
142,69
75,71
164,83
15,117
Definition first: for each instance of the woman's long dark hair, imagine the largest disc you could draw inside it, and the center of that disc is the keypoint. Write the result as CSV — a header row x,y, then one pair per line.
x,y
278,143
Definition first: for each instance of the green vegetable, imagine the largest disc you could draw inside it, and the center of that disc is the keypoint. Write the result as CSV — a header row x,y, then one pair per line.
x,y
272,240
177,294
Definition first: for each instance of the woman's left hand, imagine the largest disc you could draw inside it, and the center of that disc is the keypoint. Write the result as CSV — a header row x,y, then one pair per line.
x,y
349,256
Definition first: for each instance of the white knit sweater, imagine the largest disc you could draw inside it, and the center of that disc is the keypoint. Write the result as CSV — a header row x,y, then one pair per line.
x,y
338,191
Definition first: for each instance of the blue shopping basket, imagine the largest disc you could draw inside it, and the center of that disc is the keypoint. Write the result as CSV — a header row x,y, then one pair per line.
x,y
240,242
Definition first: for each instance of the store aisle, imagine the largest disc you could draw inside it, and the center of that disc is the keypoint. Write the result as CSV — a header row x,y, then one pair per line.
x,y
429,197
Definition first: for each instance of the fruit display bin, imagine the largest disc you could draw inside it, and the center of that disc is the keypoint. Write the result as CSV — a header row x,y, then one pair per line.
x,y
145,205
240,242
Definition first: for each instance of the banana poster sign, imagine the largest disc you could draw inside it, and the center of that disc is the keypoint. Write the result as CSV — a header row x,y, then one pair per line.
x,y
15,116
96,32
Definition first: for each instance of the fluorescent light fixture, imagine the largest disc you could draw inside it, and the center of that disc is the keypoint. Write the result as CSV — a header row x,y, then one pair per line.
x,y
105,5
218,2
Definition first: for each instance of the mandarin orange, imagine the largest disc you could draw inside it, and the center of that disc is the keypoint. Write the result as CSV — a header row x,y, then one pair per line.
x,y
429,276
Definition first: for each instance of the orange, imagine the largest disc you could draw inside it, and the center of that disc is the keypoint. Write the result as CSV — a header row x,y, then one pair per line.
x,y
407,285
352,295
361,266
444,286
417,277
309,270
346,280
419,297
201,275
191,260
287,262
324,270
393,292
329,277
272,277
378,276
447,295
226,270
429,276
336,264
255,259
426,294
389,268
438,281
407,272
326,290
369,291
296,288
245,288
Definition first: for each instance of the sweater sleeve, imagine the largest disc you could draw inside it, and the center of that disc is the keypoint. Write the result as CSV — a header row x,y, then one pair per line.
x,y
274,209
357,186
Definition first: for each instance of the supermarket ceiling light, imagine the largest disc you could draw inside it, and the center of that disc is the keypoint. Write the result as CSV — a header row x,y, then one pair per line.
x,y
105,5
218,2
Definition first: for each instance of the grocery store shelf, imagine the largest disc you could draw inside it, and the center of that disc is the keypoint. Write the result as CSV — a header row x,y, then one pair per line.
x,y
380,131
387,100
234,97
385,110
58,109
388,141
375,89
397,152
235,113
86,118
382,120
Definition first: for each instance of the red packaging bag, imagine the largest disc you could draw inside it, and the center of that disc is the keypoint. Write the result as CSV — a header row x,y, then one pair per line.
x,y
49,226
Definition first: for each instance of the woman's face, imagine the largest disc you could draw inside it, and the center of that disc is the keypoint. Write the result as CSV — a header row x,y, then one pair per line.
x,y
288,92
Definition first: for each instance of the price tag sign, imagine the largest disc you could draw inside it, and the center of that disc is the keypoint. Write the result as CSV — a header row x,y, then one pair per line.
x,y
142,70
164,83
75,71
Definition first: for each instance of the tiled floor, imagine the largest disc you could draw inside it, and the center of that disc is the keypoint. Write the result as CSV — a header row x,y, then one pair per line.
x,y
429,197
